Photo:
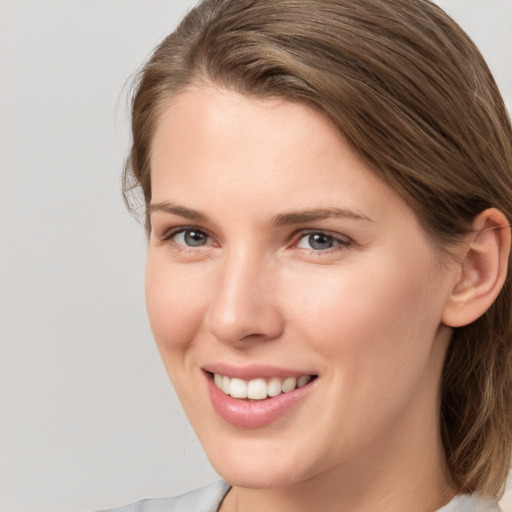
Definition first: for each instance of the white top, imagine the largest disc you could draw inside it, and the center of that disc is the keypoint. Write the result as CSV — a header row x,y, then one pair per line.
x,y
209,499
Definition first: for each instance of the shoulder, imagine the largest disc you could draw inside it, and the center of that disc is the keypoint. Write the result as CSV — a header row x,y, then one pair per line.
x,y
205,499
470,503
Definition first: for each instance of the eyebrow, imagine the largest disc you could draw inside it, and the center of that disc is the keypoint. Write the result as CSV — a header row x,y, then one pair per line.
x,y
282,219
300,217
181,211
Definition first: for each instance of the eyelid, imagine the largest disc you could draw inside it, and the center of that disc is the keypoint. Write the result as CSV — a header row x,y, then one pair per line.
x,y
342,241
168,234
306,232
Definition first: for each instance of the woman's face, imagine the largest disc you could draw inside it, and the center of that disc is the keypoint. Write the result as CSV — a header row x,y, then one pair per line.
x,y
279,261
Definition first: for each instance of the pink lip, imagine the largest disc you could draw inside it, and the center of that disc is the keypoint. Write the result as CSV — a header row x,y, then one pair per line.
x,y
253,371
257,414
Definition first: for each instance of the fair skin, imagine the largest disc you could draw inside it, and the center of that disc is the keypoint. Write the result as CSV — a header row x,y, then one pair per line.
x,y
275,249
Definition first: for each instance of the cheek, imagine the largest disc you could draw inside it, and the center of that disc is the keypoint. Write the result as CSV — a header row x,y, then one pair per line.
x,y
175,303
376,321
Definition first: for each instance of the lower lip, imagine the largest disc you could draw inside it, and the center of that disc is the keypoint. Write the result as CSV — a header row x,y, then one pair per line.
x,y
257,414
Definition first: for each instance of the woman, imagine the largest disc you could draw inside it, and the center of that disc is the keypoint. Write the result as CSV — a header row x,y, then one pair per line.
x,y
328,193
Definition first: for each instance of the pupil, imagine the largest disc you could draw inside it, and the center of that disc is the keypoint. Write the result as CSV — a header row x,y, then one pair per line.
x,y
195,238
320,241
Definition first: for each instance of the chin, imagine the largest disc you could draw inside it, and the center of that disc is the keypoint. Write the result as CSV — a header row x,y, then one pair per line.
x,y
256,477
256,463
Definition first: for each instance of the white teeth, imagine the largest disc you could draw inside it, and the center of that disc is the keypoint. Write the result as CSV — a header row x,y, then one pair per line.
x,y
274,386
218,379
258,389
302,381
238,388
289,384
225,384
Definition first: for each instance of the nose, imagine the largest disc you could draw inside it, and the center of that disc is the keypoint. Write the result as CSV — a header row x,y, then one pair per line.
x,y
244,306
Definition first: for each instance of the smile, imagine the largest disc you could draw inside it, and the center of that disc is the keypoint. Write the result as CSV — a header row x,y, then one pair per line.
x,y
264,396
258,389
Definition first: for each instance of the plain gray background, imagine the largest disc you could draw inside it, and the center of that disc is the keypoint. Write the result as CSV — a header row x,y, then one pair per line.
x,y
87,417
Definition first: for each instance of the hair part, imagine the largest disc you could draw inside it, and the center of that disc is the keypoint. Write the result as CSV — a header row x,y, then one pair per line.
x,y
410,93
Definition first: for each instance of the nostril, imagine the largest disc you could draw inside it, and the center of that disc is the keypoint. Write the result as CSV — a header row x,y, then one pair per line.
x,y
242,310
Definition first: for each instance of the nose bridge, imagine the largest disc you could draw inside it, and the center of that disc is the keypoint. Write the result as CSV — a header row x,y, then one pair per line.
x,y
243,304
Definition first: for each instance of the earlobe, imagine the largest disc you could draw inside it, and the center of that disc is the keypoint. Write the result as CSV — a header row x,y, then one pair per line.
x,y
482,271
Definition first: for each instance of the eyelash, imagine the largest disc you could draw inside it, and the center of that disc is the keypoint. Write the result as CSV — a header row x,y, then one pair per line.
x,y
340,243
171,233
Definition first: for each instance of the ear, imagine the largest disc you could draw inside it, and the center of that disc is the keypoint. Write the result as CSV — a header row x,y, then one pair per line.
x,y
482,269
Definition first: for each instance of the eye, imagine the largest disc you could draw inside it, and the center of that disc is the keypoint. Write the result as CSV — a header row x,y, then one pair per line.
x,y
319,241
189,237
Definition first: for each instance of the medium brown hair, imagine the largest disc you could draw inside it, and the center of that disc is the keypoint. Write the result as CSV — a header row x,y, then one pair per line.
x,y
413,96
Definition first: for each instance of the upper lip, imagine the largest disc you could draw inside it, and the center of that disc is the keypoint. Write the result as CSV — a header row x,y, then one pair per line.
x,y
254,371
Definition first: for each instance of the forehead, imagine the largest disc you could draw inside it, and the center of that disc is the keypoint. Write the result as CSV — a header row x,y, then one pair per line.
x,y
216,120
213,145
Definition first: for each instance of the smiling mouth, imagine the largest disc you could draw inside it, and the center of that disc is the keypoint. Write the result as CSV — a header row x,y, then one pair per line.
x,y
259,389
